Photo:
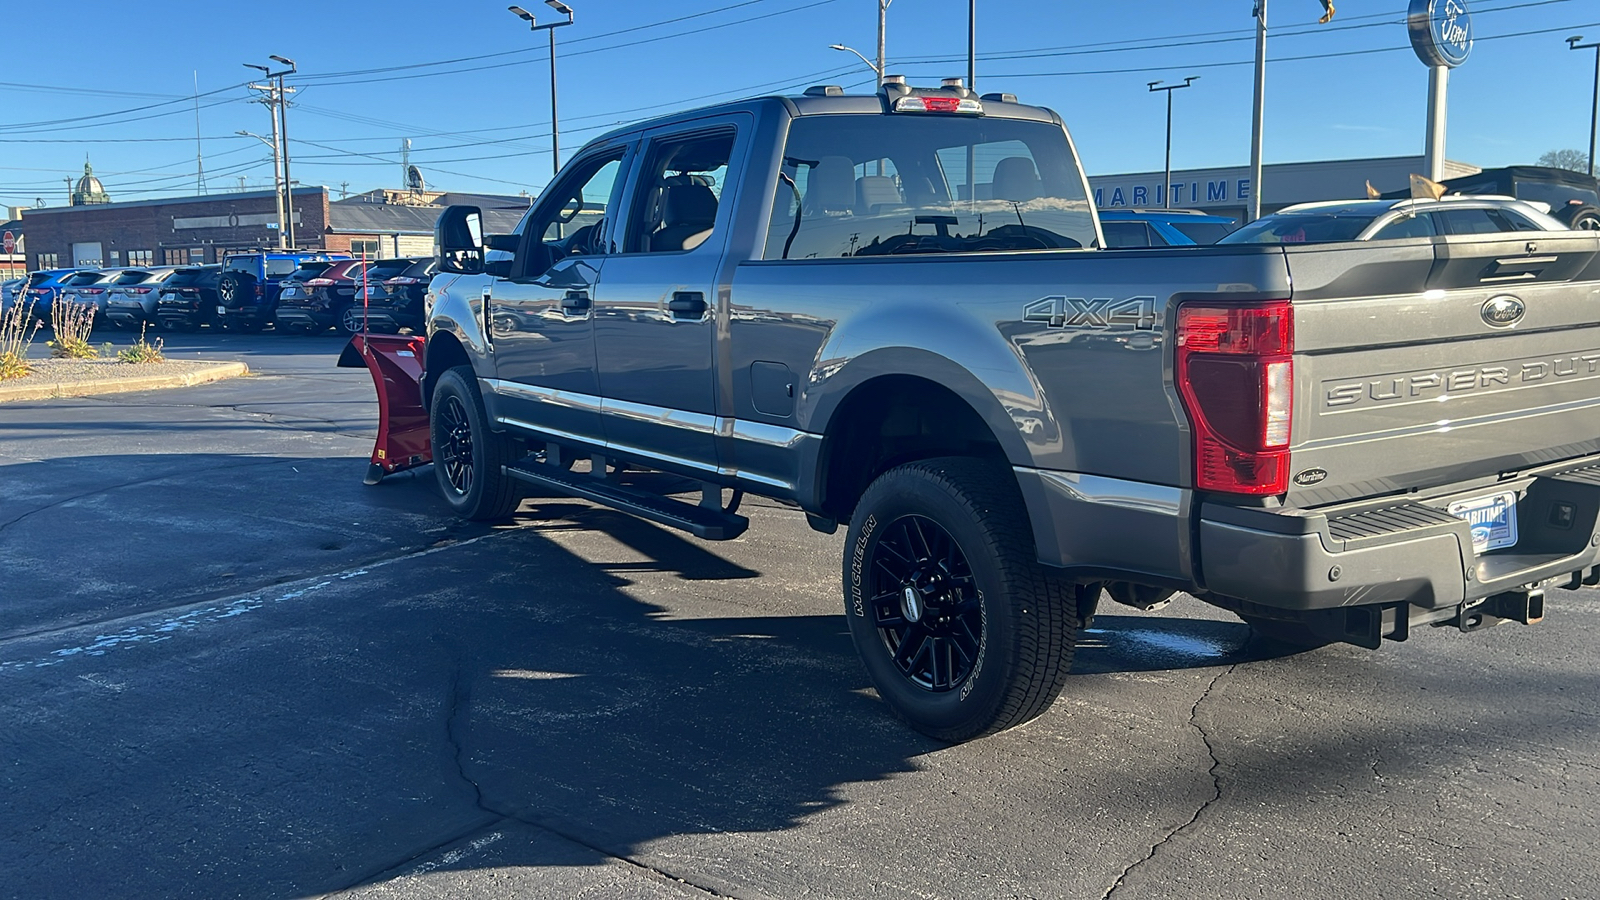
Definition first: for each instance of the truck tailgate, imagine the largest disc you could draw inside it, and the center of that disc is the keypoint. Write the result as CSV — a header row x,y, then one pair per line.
x,y
1427,364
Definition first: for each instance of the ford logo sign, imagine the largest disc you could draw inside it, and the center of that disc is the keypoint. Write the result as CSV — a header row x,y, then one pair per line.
x,y
1503,311
1441,31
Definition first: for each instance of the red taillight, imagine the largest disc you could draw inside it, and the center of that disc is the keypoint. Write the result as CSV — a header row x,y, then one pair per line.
x,y
91,291
1235,371
404,279
319,282
139,290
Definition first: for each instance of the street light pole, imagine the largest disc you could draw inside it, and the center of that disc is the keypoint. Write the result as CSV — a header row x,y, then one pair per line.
x,y
283,117
883,27
533,25
972,45
277,195
1258,113
1594,108
1166,185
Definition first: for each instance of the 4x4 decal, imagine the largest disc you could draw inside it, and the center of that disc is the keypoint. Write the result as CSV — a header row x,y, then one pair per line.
x,y
1100,312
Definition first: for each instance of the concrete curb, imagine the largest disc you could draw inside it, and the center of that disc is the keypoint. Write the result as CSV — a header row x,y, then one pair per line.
x,y
63,389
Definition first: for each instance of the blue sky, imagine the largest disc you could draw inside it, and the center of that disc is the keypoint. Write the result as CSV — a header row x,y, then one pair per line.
x,y
483,123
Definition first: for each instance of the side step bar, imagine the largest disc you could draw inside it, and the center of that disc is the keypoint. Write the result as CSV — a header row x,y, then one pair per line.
x,y
710,522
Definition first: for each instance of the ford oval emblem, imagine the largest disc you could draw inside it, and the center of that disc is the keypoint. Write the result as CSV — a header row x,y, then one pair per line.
x,y
1503,311
1310,477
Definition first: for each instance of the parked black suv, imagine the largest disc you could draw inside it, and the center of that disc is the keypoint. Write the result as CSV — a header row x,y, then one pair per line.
x,y
247,291
395,303
189,298
325,299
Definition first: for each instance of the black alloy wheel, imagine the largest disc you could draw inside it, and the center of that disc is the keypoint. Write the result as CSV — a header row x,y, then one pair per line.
x,y
469,459
961,630
454,454
925,604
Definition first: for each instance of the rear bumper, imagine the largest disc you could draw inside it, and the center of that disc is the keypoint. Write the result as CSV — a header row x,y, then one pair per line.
x,y
1401,552
1370,553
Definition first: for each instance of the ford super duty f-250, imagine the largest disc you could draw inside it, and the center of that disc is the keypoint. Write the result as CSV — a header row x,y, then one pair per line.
x,y
893,312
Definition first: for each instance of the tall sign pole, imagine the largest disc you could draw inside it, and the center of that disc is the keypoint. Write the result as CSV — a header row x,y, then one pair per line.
x,y
1258,116
1441,35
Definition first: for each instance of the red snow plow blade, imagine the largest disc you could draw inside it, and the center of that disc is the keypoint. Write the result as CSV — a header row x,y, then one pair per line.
x,y
396,366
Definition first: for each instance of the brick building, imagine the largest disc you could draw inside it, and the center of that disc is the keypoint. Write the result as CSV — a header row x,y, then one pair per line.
x,y
195,230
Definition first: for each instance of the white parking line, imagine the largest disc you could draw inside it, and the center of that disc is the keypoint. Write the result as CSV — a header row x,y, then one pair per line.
x,y
170,624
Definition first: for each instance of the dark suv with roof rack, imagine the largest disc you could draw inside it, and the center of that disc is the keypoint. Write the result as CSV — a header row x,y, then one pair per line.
x,y
247,290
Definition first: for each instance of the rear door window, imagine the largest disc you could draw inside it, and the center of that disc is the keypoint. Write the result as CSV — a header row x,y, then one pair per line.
x,y
1202,232
1406,227
1126,234
1474,221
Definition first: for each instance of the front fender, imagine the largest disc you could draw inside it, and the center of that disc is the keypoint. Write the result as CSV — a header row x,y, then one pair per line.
x,y
455,305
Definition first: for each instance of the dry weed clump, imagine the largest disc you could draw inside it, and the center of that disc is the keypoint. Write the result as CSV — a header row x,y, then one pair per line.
x,y
143,351
72,323
17,328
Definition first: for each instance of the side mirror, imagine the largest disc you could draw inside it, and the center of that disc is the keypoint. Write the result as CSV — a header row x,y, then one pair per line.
x,y
458,240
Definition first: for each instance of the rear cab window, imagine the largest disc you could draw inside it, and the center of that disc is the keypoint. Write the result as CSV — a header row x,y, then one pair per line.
x,y
877,185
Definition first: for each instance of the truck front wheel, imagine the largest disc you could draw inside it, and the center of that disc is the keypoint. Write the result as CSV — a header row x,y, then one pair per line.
x,y
960,629
467,456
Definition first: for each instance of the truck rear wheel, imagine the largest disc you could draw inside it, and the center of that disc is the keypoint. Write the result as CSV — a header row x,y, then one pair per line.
x,y
961,630
467,456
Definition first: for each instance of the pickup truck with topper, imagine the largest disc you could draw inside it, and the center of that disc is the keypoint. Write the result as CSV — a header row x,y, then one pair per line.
x,y
894,313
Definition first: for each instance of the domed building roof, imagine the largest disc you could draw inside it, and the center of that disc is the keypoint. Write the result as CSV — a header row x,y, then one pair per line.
x,y
90,191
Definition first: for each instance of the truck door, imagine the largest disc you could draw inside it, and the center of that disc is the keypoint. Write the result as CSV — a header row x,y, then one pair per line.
x,y
655,322
541,315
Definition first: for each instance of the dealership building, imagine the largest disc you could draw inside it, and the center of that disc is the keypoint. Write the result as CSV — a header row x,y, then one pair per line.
x,y
98,231
1226,191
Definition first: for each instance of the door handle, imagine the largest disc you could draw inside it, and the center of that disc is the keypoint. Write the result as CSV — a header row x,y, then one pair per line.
x,y
575,301
687,305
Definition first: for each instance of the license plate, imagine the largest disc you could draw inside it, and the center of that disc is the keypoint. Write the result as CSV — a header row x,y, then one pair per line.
x,y
222,310
1493,520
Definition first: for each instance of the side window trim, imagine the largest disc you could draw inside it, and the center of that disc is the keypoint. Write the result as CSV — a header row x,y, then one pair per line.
x,y
557,188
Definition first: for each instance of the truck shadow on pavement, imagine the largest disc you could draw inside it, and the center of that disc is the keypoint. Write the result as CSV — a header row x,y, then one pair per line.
x,y
346,730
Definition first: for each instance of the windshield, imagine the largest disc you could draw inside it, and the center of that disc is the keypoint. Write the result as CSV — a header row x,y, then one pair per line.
x,y
1202,232
83,278
874,185
133,276
1309,228
241,264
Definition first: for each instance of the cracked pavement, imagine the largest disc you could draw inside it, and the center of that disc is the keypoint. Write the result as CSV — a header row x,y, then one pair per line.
x,y
227,668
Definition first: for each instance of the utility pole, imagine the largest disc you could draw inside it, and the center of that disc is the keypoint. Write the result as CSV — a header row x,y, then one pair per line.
x,y
272,96
1166,185
270,100
533,25
972,45
1594,106
1258,114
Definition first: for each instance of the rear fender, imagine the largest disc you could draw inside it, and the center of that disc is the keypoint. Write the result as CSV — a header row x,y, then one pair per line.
x,y
945,346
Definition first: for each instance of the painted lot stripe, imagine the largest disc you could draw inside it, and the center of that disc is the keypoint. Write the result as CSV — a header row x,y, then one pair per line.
x,y
151,628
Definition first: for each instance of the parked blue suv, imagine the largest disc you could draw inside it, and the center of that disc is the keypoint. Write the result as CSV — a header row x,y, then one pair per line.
x,y
247,291
42,288
1162,228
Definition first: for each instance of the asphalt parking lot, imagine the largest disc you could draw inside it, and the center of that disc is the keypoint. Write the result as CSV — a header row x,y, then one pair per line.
x,y
229,669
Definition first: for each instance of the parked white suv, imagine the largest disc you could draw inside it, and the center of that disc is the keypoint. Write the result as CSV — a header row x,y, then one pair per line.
x,y
1378,220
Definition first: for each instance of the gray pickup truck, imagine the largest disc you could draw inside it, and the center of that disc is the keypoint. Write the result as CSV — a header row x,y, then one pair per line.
x,y
892,312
